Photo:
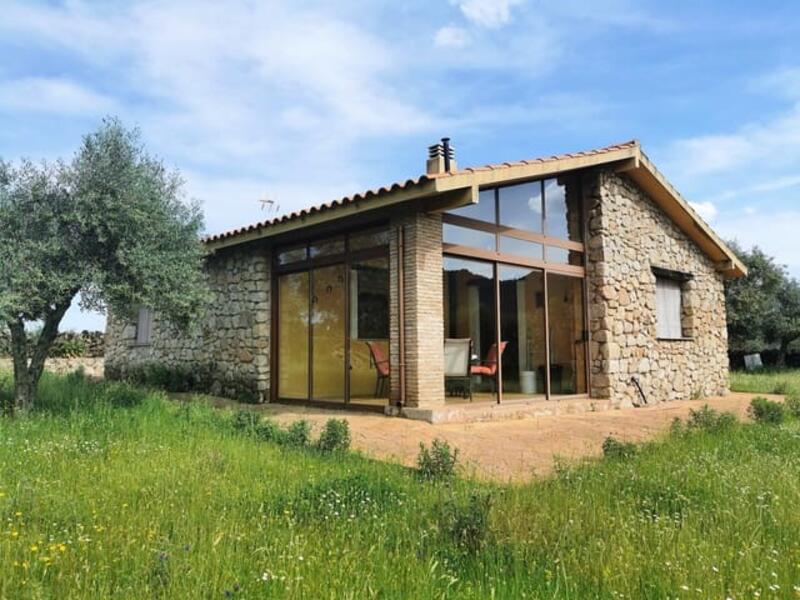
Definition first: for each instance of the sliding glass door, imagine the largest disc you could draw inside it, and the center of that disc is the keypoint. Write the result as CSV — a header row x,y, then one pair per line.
x,y
522,318
332,320
328,334
293,339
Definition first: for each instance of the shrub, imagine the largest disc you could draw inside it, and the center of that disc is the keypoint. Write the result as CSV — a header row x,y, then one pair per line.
x,y
335,437
269,431
708,419
298,434
437,463
245,421
67,348
792,405
614,448
766,411
466,523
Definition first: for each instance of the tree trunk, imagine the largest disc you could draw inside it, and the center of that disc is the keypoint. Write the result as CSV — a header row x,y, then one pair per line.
x,y
29,362
783,352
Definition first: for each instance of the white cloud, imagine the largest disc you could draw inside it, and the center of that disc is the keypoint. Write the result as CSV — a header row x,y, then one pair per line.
x,y
775,232
706,210
53,95
451,37
488,13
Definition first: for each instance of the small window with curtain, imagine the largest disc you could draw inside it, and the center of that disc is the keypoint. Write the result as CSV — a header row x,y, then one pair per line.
x,y
144,326
669,305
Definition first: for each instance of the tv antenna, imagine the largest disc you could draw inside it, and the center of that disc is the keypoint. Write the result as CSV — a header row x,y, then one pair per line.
x,y
268,204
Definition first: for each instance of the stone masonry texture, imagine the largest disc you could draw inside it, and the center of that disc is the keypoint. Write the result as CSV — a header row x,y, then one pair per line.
x,y
231,342
628,236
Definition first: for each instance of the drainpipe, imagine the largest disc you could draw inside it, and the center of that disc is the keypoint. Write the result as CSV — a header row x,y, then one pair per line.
x,y
401,315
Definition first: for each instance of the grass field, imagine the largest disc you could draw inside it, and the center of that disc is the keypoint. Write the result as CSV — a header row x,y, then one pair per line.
x,y
767,381
112,491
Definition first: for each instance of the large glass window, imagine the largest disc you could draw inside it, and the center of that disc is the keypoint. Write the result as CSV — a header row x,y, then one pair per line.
x,y
469,314
329,313
562,211
521,206
369,330
465,236
567,334
484,210
293,335
328,333
522,319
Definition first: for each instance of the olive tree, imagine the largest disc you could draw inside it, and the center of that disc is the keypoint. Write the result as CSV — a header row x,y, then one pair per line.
x,y
110,228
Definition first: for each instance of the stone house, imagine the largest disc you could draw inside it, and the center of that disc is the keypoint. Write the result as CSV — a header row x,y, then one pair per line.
x,y
561,283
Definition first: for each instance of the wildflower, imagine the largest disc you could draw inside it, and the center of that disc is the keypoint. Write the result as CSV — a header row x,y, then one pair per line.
x,y
266,576
34,548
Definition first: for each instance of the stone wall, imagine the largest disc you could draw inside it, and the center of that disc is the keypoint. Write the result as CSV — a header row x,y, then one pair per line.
x,y
91,366
628,236
91,342
230,344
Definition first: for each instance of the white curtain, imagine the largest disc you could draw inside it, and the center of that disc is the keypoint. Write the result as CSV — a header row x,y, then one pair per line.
x,y
668,308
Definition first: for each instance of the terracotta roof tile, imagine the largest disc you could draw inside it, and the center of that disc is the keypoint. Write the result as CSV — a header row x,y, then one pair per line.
x,y
408,183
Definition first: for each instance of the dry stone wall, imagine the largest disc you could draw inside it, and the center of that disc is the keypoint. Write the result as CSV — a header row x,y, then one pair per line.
x,y
228,349
628,236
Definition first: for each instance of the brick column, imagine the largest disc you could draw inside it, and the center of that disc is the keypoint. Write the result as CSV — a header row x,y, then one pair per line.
x,y
424,325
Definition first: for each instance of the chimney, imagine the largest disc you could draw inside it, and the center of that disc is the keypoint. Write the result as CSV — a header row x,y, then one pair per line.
x,y
441,158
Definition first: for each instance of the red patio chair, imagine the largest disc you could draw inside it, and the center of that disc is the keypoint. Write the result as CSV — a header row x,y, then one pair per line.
x,y
488,366
381,364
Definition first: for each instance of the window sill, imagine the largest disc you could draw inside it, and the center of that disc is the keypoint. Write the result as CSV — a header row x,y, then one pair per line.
x,y
675,339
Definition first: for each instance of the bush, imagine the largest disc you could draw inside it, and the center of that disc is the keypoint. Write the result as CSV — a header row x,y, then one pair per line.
x,y
298,434
269,431
67,348
245,421
708,419
766,411
437,463
335,437
466,523
614,448
792,405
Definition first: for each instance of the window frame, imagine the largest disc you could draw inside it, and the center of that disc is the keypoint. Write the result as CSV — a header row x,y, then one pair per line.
x,y
679,278
144,320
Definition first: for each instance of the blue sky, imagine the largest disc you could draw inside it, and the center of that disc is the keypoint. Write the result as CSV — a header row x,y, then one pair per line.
x,y
303,102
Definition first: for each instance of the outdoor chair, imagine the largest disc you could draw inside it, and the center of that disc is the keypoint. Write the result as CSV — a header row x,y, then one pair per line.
x,y
378,359
488,366
457,378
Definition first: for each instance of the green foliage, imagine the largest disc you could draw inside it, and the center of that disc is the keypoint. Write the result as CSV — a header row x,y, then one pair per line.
x,y
245,421
766,411
614,448
199,378
67,348
298,434
710,420
129,495
763,307
792,405
335,437
109,227
767,381
343,498
465,523
437,463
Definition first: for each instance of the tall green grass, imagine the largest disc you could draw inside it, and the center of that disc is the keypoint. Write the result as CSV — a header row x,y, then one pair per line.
x,y
111,491
767,381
